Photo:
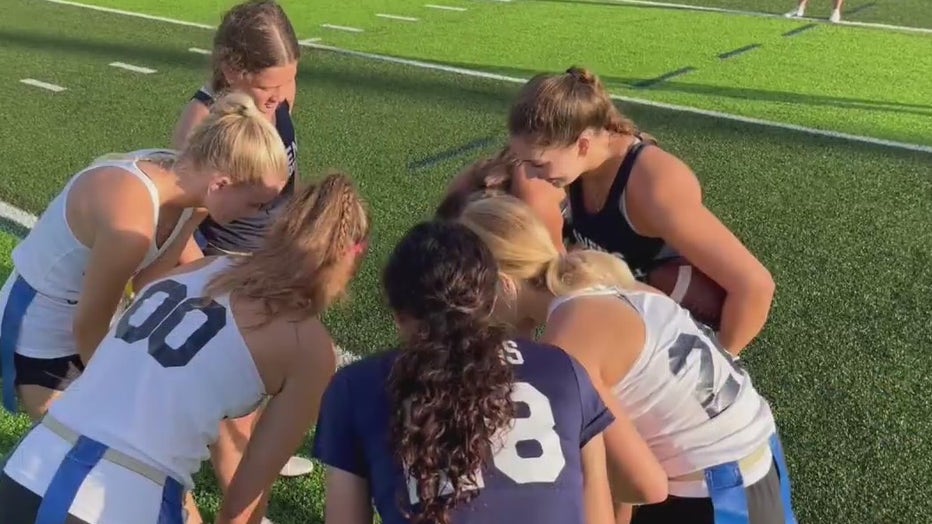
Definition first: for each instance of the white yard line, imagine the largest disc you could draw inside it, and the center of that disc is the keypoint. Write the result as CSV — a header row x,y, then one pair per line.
x,y
44,85
397,17
444,7
133,68
307,41
342,28
503,78
199,51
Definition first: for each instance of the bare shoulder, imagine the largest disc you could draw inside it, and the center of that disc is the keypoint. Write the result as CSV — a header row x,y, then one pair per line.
x,y
110,194
659,168
605,333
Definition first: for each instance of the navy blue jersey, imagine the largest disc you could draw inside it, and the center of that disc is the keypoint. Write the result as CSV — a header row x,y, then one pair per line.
x,y
536,476
245,235
608,229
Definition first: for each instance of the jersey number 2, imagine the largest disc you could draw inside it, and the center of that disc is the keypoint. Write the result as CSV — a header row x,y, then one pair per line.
x,y
168,298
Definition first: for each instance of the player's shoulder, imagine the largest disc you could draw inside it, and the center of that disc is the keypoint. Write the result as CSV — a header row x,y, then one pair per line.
x,y
368,374
535,360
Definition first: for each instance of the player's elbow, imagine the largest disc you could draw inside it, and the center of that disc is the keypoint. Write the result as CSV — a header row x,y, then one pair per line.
x,y
755,288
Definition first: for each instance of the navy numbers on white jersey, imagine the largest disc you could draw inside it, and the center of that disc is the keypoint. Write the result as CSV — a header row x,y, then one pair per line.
x,y
168,306
713,401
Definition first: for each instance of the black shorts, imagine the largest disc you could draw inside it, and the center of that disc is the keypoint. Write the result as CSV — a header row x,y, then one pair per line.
x,y
51,373
18,505
765,506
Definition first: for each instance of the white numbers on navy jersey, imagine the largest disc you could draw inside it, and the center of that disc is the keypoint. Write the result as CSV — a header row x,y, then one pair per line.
x,y
512,355
538,427
713,398
536,430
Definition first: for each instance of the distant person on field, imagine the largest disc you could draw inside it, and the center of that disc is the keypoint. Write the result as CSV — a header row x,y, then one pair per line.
x,y
800,10
255,50
212,339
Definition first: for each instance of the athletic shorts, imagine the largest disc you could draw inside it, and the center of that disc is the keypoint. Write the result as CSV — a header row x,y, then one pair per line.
x,y
78,481
51,373
36,337
767,501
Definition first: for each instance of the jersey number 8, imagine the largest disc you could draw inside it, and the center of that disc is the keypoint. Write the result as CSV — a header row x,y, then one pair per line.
x,y
537,427
171,307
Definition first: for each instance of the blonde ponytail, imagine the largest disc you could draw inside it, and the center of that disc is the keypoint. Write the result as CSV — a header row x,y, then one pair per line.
x,y
524,251
237,140
584,269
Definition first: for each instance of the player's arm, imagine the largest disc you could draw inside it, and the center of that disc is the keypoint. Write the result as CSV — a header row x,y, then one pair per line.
x,y
579,327
337,445
667,200
195,112
306,366
598,495
120,217
348,499
182,250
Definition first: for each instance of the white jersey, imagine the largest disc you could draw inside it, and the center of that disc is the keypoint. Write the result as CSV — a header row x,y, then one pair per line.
x,y
687,398
170,369
53,262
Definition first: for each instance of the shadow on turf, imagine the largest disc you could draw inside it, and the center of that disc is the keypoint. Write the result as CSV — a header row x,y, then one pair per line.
x,y
428,84
14,228
728,92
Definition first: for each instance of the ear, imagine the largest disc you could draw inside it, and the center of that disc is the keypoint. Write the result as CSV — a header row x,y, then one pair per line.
x,y
219,181
584,143
508,289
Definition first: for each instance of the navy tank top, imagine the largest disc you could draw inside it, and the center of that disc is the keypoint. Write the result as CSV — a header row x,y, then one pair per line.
x,y
608,229
246,234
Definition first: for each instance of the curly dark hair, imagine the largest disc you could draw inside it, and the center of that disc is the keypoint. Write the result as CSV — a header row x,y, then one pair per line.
x,y
450,385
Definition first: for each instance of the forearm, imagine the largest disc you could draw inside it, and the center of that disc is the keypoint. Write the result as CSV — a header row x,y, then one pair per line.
x,y
744,314
88,334
162,265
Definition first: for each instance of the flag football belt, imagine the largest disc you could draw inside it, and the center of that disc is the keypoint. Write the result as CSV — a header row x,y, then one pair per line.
x,y
110,455
745,464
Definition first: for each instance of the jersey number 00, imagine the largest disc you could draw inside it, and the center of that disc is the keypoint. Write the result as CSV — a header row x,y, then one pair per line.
x,y
171,306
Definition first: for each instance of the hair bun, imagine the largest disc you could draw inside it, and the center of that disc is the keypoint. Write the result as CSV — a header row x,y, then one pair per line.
x,y
582,75
236,103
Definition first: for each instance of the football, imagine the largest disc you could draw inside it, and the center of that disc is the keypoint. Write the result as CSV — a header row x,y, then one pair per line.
x,y
691,288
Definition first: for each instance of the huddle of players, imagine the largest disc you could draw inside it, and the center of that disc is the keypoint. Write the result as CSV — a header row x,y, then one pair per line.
x,y
625,400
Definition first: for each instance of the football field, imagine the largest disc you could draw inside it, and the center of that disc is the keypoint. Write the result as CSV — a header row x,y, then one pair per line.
x,y
813,142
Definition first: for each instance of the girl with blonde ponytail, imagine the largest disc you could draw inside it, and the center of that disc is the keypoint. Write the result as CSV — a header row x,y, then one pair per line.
x,y
210,340
647,356
125,217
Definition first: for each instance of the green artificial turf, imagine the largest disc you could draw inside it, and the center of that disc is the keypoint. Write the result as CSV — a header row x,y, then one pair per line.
x,y
844,227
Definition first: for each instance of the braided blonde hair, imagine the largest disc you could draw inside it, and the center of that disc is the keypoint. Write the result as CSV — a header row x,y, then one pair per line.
x,y
298,272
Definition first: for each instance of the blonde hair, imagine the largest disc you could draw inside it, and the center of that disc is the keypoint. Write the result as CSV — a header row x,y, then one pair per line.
x,y
297,271
554,109
237,140
525,252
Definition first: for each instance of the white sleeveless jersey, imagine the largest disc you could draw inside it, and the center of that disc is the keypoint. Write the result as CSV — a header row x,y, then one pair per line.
x,y
170,369
687,398
53,261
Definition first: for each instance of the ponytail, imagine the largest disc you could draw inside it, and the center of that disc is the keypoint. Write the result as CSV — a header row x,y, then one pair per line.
x,y
524,251
237,140
450,384
554,110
